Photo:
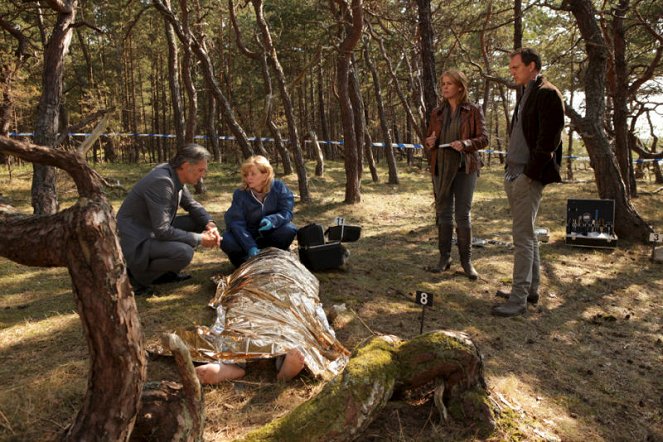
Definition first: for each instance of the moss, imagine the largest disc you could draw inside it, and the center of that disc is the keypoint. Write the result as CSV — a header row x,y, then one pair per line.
x,y
365,384
474,408
508,422
435,346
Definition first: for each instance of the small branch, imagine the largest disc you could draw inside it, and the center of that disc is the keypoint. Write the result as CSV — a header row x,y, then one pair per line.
x,y
81,124
23,42
87,24
238,33
59,6
94,136
87,180
363,323
134,21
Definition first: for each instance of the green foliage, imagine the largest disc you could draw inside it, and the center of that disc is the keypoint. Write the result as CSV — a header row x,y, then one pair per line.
x,y
126,63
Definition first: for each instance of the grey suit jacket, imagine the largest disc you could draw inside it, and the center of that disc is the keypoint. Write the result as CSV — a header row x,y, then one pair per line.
x,y
148,211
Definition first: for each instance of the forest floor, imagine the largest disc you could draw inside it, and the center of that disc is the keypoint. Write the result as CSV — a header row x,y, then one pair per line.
x,y
585,364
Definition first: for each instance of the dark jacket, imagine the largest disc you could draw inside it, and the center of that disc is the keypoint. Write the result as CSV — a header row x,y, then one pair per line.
x,y
543,121
473,135
148,212
245,212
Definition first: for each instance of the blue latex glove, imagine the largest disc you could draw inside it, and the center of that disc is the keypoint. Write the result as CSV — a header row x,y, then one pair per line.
x,y
265,224
253,251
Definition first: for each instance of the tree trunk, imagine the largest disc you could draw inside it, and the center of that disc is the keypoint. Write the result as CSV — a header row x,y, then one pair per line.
x,y
428,77
83,239
187,78
7,73
620,95
266,39
358,115
355,17
321,110
44,197
368,151
569,147
278,141
518,33
319,158
401,95
210,79
267,79
628,223
212,133
387,366
174,82
517,24
384,125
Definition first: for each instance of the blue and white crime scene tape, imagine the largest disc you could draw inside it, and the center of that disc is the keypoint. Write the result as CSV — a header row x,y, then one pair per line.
x,y
232,138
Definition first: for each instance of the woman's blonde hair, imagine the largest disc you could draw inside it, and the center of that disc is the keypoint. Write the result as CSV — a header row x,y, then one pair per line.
x,y
262,164
459,79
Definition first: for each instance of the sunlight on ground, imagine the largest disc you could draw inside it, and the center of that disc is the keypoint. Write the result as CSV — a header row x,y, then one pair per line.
x,y
585,364
168,297
36,329
518,395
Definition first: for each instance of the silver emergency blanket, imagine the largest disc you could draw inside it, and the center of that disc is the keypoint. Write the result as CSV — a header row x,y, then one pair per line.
x,y
268,306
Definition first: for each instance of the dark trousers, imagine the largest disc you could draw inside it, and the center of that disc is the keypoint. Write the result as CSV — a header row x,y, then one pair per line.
x,y
459,202
280,238
168,256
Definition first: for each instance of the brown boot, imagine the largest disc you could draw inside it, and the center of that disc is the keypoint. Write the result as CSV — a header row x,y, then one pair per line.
x,y
444,236
464,235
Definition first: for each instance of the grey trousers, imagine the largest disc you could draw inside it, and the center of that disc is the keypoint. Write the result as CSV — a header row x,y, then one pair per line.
x,y
459,201
524,197
168,256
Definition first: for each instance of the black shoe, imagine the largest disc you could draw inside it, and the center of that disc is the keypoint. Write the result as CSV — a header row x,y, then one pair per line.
x,y
169,277
532,298
144,290
509,309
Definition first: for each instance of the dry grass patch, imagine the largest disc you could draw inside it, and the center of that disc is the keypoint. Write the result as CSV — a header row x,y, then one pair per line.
x,y
586,364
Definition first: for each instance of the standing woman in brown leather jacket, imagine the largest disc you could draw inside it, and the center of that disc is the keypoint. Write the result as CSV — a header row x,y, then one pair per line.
x,y
456,132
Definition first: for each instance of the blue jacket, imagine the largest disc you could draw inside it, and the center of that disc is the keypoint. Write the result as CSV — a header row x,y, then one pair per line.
x,y
245,212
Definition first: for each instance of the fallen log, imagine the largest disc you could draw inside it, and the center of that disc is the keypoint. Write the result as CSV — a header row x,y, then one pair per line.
x,y
386,365
169,411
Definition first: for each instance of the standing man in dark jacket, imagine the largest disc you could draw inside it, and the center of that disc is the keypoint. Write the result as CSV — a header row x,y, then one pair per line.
x,y
157,243
532,161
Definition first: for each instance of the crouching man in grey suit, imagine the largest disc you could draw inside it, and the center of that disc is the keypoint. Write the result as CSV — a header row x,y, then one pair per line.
x,y
157,243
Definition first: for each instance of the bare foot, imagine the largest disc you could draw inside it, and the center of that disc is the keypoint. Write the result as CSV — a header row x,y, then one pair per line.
x,y
214,373
292,365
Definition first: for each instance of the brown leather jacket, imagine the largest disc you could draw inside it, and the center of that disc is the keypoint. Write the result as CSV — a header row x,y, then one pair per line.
x,y
473,135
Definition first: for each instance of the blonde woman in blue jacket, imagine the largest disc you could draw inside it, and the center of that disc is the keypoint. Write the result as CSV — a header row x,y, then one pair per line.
x,y
260,214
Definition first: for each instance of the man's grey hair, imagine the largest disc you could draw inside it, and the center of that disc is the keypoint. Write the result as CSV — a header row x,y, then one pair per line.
x,y
193,153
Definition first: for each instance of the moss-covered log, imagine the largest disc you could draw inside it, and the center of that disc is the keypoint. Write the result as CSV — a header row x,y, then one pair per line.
x,y
383,366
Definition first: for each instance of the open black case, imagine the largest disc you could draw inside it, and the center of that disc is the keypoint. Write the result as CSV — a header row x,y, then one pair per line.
x,y
318,253
591,223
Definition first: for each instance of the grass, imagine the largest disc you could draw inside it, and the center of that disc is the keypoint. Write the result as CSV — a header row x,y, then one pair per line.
x,y
586,364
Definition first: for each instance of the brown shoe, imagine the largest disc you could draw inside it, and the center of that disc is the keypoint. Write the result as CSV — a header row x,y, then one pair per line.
x,y
532,298
509,309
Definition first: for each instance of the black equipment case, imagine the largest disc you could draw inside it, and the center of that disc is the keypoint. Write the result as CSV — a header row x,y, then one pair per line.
x,y
591,223
310,235
328,256
344,233
316,254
